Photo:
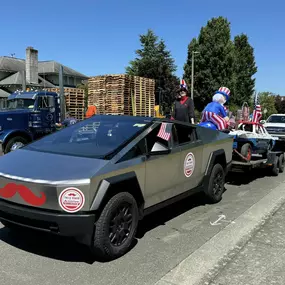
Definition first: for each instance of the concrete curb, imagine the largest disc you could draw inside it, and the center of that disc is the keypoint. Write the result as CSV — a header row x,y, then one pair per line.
x,y
203,264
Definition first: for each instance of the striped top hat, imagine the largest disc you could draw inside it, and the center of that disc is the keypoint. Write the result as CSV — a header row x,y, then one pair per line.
x,y
183,84
224,91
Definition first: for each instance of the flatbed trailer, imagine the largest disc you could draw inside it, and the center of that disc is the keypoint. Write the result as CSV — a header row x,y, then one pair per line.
x,y
274,163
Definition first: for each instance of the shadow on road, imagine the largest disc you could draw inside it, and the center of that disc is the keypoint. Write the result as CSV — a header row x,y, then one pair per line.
x,y
239,179
69,250
168,213
50,246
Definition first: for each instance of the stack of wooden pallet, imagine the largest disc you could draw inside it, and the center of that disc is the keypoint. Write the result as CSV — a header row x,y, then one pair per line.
x,y
74,101
122,95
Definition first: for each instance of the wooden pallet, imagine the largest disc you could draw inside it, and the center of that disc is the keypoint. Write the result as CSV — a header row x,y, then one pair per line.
x,y
74,101
114,93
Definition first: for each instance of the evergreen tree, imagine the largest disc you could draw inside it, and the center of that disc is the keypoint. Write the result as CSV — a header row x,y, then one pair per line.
x,y
243,70
155,61
213,65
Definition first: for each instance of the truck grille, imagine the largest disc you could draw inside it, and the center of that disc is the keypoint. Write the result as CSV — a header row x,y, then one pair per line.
x,y
275,130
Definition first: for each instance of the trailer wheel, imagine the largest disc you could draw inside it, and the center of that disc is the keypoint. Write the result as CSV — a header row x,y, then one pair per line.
x,y
246,151
281,162
275,168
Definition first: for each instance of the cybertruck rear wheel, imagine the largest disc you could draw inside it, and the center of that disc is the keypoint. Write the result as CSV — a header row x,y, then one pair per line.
x,y
215,188
116,227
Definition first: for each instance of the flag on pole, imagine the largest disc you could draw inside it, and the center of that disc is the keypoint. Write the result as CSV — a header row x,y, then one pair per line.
x,y
165,131
257,114
255,100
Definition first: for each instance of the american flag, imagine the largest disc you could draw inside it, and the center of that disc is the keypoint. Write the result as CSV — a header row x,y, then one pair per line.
x,y
257,114
165,131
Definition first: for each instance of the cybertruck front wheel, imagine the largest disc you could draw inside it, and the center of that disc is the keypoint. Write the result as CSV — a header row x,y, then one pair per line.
x,y
215,188
116,227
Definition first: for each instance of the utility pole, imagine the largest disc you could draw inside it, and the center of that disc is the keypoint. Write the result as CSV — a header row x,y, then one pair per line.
x,y
61,94
24,87
192,74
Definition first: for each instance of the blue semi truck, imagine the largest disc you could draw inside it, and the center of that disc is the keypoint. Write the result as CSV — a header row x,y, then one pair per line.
x,y
28,116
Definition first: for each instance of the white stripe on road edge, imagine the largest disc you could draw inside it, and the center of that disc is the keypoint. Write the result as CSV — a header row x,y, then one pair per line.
x,y
203,264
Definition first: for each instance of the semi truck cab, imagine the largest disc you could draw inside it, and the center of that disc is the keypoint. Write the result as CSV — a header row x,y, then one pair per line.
x,y
28,116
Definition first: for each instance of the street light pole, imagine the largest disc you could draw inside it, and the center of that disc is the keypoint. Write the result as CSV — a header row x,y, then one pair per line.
x,y
192,74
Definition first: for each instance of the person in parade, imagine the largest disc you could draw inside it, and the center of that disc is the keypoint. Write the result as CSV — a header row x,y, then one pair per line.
x,y
69,120
91,111
215,111
183,109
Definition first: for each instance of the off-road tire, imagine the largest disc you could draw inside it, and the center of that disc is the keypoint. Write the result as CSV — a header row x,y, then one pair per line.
x,y
12,141
215,188
281,163
246,151
102,246
274,169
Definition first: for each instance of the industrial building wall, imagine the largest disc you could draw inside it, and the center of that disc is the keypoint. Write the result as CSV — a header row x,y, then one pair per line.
x,y
67,80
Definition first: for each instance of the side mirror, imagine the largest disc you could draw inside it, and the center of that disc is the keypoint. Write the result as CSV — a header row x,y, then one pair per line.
x,y
159,149
262,122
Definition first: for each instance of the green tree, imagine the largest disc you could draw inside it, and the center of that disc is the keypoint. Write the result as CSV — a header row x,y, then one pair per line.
x,y
244,68
214,61
279,104
155,61
267,102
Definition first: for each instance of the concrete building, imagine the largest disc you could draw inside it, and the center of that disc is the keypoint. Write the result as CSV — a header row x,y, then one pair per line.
x,y
16,74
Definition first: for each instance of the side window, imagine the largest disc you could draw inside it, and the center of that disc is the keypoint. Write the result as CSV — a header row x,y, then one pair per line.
x,y
138,150
145,145
152,138
45,102
185,134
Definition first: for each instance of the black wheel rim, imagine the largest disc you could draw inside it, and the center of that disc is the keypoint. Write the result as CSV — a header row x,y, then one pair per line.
x,y
121,225
218,186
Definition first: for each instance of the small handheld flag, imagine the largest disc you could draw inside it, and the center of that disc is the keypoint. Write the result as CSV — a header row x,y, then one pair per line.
x,y
165,131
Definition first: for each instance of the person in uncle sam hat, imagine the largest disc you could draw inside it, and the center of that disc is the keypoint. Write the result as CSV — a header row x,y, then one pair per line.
x,y
215,111
183,109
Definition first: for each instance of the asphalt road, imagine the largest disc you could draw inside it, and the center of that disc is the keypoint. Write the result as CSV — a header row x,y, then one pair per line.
x,y
164,240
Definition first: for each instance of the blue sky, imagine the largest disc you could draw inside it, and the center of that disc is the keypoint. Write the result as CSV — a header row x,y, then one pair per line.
x,y
100,36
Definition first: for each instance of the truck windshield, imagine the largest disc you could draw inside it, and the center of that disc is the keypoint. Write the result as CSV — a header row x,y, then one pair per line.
x,y
21,104
276,119
97,137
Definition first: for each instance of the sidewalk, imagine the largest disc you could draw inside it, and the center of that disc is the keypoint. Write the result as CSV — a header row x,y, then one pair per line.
x,y
262,260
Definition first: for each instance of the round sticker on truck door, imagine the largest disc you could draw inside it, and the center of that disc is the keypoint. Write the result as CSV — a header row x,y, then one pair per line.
x,y
189,164
71,200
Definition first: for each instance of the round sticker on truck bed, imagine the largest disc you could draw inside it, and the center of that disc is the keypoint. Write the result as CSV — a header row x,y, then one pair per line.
x,y
71,200
189,164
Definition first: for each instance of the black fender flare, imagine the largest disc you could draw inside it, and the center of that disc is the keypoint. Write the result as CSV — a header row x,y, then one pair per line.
x,y
127,182
217,156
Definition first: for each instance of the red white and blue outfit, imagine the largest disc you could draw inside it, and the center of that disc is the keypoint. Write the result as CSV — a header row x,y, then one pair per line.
x,y
215,112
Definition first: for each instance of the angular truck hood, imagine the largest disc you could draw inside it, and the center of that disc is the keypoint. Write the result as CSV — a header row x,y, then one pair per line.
x,y
47,168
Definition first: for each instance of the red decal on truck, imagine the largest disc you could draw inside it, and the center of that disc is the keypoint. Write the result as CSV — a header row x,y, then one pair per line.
x,y
11,189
